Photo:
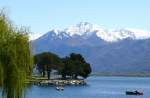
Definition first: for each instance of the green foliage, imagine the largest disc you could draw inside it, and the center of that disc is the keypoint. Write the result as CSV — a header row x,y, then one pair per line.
x,y
15,58
75,66
46,61
72,66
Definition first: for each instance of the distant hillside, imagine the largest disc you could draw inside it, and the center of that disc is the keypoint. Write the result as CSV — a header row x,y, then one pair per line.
x,y
118,51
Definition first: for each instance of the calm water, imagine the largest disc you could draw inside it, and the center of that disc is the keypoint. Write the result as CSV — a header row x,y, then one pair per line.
x,y
98,87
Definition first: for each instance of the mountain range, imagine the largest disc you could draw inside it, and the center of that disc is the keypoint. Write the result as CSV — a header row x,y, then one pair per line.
x,y
122,50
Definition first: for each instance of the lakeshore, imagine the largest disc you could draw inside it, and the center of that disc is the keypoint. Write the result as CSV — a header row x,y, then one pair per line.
x,y
41,81
97,87
56,82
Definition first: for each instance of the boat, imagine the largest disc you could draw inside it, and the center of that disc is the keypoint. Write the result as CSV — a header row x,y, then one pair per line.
x,y
134,93
60,88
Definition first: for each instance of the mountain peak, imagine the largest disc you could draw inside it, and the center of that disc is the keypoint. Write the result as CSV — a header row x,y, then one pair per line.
x,y
86,29
56,31
83,29
79,29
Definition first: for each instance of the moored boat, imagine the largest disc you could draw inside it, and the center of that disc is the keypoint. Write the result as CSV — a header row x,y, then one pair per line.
x,y
134,93
60,88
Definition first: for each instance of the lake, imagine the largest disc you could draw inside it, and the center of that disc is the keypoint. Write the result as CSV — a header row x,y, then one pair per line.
x,y
97,87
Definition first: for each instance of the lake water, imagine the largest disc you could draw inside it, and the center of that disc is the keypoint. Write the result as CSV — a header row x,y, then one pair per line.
x,y
98,87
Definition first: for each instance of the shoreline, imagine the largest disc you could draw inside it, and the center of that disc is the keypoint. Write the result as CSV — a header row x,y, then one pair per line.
x,y
121,74
35,80
57,82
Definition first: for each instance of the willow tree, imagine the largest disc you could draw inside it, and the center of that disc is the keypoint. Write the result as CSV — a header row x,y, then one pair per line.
x,y
15,58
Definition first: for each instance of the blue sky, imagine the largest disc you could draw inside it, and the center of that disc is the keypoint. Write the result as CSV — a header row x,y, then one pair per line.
x,y
44,15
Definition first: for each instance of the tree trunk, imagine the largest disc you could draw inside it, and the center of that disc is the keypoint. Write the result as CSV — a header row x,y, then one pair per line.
x,y
64,76
48,75
43,73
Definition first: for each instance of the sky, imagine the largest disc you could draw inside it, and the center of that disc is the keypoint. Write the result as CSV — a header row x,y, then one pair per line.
x,y
43,15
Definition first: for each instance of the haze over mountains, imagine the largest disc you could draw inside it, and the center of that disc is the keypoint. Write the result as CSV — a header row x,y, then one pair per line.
x,y
117,51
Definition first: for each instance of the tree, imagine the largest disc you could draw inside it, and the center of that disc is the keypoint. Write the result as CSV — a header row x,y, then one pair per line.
x,y
42,61
74,66
46,61
15,58
81,67
66,68
86,70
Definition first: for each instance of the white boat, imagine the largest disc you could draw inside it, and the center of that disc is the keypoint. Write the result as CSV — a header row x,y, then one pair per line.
x,y
60,88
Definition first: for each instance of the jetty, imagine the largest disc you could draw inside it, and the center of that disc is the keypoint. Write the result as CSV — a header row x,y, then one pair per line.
x,y
57,82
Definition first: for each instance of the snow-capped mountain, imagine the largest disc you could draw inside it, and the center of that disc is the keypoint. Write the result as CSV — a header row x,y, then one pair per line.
x,y
119,50
86,29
